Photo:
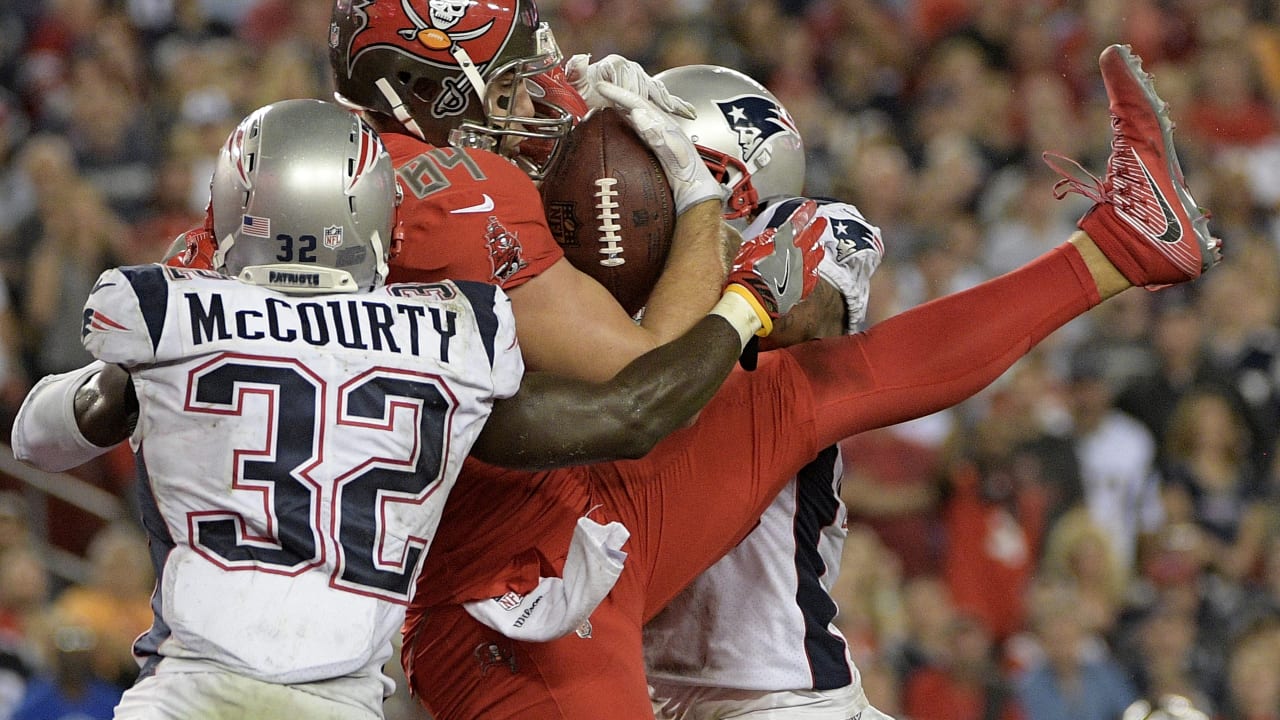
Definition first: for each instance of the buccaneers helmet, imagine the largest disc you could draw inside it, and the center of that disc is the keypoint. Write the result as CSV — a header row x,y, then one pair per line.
x,y
744,135
304,200
451,71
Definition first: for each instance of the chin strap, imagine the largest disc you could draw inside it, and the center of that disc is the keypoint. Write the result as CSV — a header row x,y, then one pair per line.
x,y
469,70
398,109
401,113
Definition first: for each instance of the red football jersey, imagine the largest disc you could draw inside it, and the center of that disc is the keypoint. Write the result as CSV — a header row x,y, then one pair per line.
x,y
467,215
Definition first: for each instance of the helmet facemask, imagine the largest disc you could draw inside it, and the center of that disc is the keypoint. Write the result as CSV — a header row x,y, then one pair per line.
x,y
732,174
521,123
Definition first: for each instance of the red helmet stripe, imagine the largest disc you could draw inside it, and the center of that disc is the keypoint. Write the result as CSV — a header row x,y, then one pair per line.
x,y
366,155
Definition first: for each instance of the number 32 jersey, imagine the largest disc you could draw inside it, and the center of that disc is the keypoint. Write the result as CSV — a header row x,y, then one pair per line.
x,y
295,454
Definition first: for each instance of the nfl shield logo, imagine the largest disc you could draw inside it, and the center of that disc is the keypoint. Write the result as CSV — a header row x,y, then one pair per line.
x,y
509,601
332,237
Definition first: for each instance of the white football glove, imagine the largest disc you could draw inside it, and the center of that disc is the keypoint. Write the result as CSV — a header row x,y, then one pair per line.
x,y
853,252
690,180
584,75
559,605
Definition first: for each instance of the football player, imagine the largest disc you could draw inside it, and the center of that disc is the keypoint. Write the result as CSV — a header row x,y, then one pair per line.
x,y
477,645
771,645
451,87
300,424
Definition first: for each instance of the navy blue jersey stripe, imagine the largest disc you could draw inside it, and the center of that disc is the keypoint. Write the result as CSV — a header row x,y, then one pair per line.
x,y
816,508
152,288
161,544
789,205
785,208
481,297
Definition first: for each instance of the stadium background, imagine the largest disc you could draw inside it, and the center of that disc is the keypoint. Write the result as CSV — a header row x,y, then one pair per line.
x,y
1021,528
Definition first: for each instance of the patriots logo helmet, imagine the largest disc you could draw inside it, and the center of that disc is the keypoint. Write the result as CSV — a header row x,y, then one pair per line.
x,y
451,72
755,119
744,135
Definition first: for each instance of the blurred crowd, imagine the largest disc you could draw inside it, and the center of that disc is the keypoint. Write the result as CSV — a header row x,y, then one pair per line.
x,y
1100,525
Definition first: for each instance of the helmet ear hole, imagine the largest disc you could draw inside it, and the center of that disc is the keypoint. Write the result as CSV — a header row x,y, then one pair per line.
x,y
423,89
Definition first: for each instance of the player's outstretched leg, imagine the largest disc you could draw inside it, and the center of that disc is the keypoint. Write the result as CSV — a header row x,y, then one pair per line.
x,y
1144,223
1145,220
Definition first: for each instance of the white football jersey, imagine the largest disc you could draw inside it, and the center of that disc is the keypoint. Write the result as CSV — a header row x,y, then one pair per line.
x,y
761,618
294,457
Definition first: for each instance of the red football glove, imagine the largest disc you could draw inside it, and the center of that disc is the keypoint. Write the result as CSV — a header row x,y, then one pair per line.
x,y
777,269
561,93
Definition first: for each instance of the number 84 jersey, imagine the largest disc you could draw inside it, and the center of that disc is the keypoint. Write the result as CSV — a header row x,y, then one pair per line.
x,y
295,454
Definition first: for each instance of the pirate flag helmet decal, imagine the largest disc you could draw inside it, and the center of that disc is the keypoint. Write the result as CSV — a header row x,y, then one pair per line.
x,y
450,71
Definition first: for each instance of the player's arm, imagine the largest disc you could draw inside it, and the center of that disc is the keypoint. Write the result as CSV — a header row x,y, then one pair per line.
x,y
106,408
570,324
702,249
602,338
555,420
68,419
46,433
71,418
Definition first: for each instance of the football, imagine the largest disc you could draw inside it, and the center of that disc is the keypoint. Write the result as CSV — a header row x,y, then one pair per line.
x,y
610,208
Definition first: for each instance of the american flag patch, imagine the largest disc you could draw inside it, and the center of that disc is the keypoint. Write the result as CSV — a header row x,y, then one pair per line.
x,y
255,226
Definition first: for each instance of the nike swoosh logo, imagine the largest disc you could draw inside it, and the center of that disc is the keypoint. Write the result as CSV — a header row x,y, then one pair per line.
x,y
101,285
1172,228
484,206
783,283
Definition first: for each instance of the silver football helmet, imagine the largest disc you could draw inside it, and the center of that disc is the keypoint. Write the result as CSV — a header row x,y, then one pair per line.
x,y
304,200
744,134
